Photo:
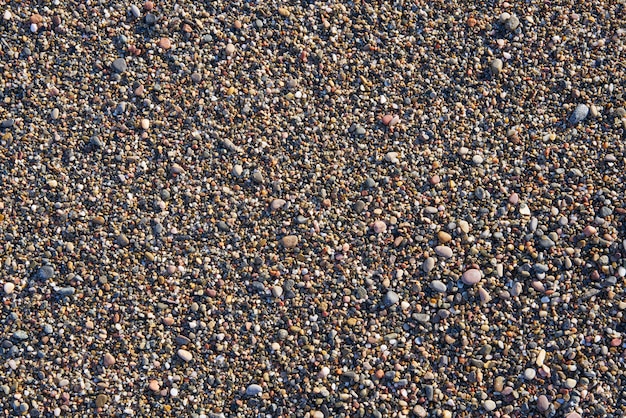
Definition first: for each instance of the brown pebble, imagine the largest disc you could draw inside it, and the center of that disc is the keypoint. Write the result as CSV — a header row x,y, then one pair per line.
x,y
165,43
108,360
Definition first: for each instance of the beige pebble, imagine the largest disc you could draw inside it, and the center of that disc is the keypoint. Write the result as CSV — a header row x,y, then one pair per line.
x,y
145,124
185,355
108,360
8,288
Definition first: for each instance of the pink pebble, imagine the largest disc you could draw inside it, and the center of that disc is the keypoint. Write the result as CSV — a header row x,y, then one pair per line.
x,y
379,227
615,342
471,277
514,199
387,119
435,179
589,230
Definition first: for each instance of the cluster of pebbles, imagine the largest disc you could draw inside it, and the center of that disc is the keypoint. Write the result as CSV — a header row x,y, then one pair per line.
x,y
312,209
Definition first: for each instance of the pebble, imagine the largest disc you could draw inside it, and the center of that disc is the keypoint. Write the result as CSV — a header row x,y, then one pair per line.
x,y
379,227
391,298
438,286
428,265
156,156
443,251
489,405
119,65
8,288
108,360
184,355
542,403
530,373
471,277
579,114
254,390
289,241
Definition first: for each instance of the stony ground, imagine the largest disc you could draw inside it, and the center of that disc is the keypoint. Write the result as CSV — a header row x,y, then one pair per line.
x,y
309,209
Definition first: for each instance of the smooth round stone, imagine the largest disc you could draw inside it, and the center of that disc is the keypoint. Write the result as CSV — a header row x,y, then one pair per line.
x,y
108,360
230,49
530,373
573,415
45,272
277,291
489,405
237,170
512,23
496,66
443,251
392,157
254,390
589,230
391,298
154,385
387,119
134,10
524,209
542,403
176,169
444,237
324,372
471,277
20,335
119,65
165,43
277,204
484,296
579,114
289,241
428,265
434,180
184,355
478,159
438,286
122,240
379,227
514,199
570,383
8,288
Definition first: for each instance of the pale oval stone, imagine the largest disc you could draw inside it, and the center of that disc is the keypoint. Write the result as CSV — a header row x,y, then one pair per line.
x,y
8,288
443,251
277,204
428,265
289,241
524,209
254,390
145,124
471,277
570,383
489,405
324,372
484,295
589,230
277,291
185,355
154,385
541,357
230,49
379,227
444,237
108,360
542,403
530,373
464,225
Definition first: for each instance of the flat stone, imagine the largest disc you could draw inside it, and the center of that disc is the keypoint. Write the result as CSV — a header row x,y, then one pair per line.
x,y
289,241
579,114
391,298
184,355
8,288
489,405
496,66
438,286
428,265
570,383
154,385
277,204
542,403
122,240
119,65
379,227
101,400
443,251
20,335
471,277
45,272
108,360
254,390
444,237
530,373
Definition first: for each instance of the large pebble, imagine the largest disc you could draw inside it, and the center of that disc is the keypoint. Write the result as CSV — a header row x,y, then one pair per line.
x,y
379,227
438,286
8,288
443,251
108,360
289,241
542,403
254,390
119,65
45,272
391,298
184,355
579,114
428,265
471,277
